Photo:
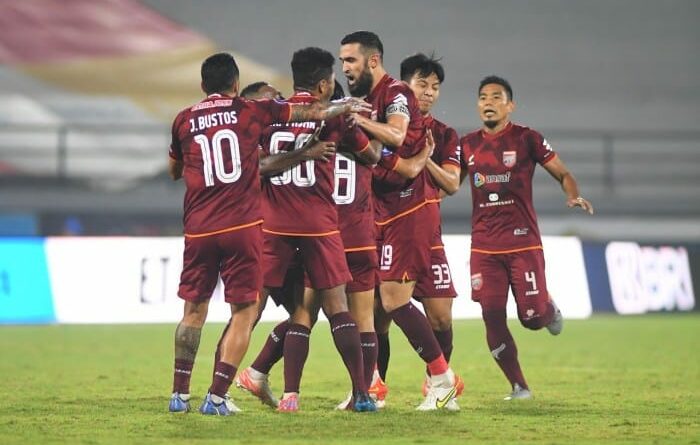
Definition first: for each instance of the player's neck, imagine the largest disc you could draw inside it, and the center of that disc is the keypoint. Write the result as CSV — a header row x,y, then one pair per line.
x,y
497,129
377,77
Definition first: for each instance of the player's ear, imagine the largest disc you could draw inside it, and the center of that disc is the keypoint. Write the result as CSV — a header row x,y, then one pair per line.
x,y
511,106
236,86
374,60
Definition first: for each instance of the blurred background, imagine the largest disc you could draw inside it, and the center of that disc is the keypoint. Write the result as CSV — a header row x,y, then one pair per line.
x,y
88,90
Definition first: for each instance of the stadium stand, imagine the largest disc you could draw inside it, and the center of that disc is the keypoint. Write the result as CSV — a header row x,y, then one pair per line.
x,y
86,97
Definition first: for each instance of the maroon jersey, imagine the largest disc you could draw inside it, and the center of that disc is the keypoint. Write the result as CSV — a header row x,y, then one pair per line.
x,y
395,194
353,197
217,139
299,201
447,151
500,169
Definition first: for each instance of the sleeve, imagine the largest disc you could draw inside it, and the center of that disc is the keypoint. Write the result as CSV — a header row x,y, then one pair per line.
x,y
540,150
175,151
389,159
397,104
450,152
465,156
270,111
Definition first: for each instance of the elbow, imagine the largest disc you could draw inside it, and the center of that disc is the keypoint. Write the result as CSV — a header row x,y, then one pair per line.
x,y
451,190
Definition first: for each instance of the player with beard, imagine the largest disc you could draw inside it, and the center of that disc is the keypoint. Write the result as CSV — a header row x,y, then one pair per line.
x,y
425,75
402,201
506,250
215,149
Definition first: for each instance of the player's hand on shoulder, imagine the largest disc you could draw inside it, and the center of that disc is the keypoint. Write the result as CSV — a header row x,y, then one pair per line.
x,y
580,202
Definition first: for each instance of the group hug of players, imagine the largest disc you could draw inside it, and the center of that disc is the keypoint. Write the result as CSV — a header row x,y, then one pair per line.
x,y
328,202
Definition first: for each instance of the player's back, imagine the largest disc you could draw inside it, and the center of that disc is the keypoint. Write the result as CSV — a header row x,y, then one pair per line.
x,y
299,200
217,139
353,197
500,169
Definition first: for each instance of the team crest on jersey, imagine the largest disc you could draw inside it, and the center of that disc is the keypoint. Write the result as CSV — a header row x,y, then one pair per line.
x,y
509,158
477,281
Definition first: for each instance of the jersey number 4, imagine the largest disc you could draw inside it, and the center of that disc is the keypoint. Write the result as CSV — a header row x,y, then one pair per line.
x,y
217,165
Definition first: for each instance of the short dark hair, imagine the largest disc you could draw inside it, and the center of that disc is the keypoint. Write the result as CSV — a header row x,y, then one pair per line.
x,y
338,93
423,65
310,66
253,88
219,73
498,81
367,39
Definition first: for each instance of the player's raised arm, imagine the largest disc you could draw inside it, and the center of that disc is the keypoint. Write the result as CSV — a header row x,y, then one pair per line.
x,y
319,111
313,148
446,176
561,173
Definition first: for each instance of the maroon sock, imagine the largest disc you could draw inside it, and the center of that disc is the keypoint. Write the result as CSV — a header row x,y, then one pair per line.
x,y
217,355
346,337
296,350
223,376
181,376
502,346
383,354
444,339
273,350
417,330
368,341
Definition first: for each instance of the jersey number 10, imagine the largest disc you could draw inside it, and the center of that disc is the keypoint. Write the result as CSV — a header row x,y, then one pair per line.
x,y
217,166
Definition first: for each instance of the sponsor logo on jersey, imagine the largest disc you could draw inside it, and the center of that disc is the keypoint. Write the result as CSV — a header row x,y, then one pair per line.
x,y
470,162
480,179
493,197
406,193
520,231
509,158
477,281
546,145
386,151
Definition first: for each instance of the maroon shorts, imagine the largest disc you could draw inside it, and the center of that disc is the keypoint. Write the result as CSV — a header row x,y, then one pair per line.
x,y
292,286
404,245
438,283
235,255
492,274
322,257
363,268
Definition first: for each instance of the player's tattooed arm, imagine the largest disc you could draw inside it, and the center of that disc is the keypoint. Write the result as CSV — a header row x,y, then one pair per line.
x,y
187,342
561,173
446,176
271,165
175,168
372,154
318,111
411,167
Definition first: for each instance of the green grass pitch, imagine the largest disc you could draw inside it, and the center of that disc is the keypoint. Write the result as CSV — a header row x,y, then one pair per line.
x,y
604,380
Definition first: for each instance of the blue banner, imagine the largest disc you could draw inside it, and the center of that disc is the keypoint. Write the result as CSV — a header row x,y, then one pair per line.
x,y
25,292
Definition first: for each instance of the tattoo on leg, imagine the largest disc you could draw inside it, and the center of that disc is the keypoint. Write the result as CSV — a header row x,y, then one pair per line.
x,y
186,342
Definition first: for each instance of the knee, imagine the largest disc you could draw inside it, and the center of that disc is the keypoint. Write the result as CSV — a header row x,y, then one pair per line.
x,y
440,322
